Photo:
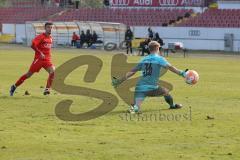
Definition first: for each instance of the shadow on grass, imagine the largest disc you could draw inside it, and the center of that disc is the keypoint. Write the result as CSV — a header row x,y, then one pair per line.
x,y
143,111
77,124
21,97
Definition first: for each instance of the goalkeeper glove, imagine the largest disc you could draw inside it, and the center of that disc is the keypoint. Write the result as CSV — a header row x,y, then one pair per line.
x,y
116,82
183,73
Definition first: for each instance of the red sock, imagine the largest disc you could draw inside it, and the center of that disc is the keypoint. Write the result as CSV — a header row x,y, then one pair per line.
x,y
21,80
50,80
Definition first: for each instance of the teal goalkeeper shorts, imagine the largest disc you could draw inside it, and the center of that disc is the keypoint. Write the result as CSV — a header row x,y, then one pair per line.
x,y
141,95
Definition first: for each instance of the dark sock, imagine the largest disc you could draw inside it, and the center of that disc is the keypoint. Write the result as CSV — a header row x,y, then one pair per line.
x,y
169,100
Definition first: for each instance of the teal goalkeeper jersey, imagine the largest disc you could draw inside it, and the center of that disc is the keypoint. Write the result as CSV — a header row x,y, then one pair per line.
x,y
151,67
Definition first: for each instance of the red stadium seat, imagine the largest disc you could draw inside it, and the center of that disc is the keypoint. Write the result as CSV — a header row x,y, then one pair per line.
x,y
215,18
138,17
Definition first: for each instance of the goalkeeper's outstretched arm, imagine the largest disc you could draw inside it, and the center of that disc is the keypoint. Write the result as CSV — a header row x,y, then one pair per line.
x,y
128,75
177,71
116,82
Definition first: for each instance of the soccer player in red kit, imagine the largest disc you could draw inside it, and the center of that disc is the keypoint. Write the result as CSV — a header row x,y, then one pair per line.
x,y
41,44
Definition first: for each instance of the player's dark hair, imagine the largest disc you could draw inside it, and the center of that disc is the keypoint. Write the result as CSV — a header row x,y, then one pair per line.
x,y
48,24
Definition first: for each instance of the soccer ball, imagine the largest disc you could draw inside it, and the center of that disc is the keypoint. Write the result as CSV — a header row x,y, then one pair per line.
x,y
192,77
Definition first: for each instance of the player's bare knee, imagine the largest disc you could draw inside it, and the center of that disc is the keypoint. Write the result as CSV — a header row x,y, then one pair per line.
x,y
50,70
52,73
165,92
29,74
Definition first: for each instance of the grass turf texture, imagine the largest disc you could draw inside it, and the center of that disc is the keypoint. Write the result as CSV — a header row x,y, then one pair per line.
x,y
30,130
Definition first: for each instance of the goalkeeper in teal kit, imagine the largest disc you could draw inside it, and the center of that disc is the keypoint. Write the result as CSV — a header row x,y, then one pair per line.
x,y
147,85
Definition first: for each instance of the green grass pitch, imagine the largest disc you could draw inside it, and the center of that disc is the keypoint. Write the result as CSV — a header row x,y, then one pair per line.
x,y
29,129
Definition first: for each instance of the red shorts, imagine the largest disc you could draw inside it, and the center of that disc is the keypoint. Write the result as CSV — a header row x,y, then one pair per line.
x,y
38,64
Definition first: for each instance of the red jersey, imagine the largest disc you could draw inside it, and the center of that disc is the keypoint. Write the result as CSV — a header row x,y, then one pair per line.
x,y
42,43
75,37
